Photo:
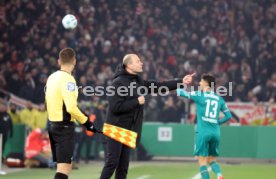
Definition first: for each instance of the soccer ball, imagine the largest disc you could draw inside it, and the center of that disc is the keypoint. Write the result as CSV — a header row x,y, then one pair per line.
x,y
69,21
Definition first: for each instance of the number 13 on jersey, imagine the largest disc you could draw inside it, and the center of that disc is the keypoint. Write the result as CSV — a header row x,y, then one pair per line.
x,y
211,108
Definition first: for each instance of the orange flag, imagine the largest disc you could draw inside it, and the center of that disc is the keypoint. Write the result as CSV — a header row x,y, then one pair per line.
x,y
126,137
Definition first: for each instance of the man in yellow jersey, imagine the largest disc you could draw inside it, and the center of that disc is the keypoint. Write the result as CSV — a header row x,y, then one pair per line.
x,y
61,100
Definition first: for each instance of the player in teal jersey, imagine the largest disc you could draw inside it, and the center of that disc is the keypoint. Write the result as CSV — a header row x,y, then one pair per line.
x,y
208,107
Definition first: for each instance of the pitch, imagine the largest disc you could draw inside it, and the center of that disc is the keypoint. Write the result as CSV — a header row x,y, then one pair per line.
x,y
153,170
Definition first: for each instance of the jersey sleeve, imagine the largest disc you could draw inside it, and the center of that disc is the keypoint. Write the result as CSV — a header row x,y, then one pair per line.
x,y
69,96
226,112
194,95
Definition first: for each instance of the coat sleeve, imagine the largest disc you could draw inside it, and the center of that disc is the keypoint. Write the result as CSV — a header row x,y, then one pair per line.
x,y
155,86
118,102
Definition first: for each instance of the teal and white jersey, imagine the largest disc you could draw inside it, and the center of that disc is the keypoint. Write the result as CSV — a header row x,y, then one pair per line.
x,y
208,107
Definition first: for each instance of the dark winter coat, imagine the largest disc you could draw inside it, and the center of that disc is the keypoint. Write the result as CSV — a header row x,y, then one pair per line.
x,y
125,111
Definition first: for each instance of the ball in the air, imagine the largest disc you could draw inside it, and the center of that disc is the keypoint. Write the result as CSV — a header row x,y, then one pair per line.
x,y
69,21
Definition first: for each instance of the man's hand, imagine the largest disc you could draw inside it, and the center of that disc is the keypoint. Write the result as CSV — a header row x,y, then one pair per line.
x,y
188,78
141,100
91,127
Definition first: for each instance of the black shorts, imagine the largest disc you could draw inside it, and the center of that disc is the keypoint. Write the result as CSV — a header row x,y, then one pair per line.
x,y
62,141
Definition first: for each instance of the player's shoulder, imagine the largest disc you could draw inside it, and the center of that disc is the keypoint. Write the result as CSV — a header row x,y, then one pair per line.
x,y
196,93
53,75
61,76
66,76
211,94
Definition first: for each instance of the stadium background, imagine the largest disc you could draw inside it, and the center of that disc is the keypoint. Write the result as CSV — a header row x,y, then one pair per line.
x,y
234,40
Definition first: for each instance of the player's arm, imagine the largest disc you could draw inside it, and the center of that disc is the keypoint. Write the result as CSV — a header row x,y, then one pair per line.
x,y
69,96
118,102
194,95
226,112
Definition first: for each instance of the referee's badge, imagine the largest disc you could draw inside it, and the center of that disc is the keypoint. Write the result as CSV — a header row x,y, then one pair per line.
x,y
71,86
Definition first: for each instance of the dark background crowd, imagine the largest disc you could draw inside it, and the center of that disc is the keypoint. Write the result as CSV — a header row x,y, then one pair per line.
x,y
233,40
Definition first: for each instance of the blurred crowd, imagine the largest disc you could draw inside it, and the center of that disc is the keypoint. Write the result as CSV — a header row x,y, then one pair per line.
x,y
31,117
233,40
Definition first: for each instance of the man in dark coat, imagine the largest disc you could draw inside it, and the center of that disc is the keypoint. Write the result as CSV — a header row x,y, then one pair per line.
x,y
126,110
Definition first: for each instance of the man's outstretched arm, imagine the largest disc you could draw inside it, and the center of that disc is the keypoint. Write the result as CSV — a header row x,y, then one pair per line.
x,y
155,86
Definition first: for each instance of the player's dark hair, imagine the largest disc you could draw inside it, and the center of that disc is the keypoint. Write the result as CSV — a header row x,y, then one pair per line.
x,y
67,55
209,79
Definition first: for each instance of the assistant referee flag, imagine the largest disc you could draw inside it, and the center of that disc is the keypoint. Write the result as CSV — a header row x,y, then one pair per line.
x,y
126,137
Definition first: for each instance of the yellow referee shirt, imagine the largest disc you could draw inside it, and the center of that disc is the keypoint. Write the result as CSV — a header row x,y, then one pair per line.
x,y
61,98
